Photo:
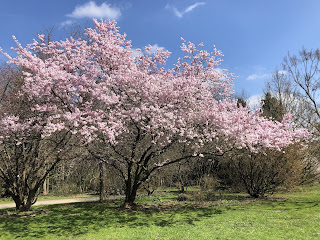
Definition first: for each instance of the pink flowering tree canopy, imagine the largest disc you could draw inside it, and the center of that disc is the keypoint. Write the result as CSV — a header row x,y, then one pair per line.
x,y
136,109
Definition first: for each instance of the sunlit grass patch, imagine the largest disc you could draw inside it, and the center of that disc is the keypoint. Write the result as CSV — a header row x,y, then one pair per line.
x,y
293,215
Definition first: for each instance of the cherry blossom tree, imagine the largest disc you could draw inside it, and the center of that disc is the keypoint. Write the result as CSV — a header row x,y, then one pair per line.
x,y
26,158
134,113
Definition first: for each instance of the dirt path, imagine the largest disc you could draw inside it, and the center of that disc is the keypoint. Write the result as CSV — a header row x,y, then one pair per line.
x,y
51,202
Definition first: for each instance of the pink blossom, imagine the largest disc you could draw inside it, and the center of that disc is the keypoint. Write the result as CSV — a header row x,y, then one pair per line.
x,y
96,87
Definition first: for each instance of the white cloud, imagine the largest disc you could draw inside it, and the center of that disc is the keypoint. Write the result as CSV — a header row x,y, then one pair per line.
x,y
91,10
177,13
180,14
283,72
255,101
257,76
221,70
190,8
66,23
153,49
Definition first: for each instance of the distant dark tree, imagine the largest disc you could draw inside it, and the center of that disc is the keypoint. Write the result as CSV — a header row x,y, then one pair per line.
x,y
272,108
241,102
241,99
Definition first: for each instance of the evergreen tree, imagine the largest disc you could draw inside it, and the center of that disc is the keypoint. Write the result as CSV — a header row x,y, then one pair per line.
x,y
272,108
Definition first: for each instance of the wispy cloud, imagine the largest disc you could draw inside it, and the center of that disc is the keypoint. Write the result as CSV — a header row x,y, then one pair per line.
x,y
257,76
92,10
180,14
156,47
152,50
283,72
66,23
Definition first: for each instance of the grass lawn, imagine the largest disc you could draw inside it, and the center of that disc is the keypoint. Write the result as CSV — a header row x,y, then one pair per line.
x,y
293,215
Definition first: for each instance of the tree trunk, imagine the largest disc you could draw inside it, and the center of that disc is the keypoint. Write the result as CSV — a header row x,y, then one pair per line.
x,y
102,187
21,205
254,195
24,198
19,201
131,194
44,186
181,190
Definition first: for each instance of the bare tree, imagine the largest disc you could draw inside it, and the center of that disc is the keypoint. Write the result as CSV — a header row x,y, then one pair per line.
x,y
302,71
297,87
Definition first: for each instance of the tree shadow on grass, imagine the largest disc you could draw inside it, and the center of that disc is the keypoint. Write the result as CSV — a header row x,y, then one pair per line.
x,y
80,218
72,220
285,205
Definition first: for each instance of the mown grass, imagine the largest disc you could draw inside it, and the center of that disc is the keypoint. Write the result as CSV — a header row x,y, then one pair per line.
x,y
294,215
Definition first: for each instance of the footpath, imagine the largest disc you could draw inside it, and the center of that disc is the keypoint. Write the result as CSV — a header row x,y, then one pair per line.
x,y
51,202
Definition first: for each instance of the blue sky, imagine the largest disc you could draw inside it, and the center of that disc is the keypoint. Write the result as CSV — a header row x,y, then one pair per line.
x,y
254,35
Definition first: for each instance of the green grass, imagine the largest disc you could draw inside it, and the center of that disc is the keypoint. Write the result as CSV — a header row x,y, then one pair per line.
x,y
295,215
